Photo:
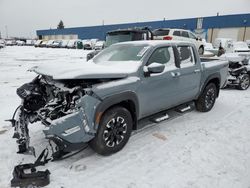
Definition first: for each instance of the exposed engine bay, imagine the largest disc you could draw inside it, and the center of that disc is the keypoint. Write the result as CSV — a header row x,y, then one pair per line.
x,y
238,75
45,100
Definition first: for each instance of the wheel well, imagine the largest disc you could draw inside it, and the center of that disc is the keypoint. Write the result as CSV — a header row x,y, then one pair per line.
x,y
216,81
201,46
130,106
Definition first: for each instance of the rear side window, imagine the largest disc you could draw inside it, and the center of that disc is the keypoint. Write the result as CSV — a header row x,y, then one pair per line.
x,y
177,33
186,56
185,34
161,32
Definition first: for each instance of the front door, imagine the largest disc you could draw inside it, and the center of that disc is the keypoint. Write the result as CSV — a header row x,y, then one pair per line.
x,y
158,92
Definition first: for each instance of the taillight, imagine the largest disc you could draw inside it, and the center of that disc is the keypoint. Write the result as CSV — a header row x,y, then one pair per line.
x,y
167,38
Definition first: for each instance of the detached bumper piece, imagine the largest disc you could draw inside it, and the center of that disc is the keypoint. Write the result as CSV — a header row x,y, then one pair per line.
x,y
37,179
34,178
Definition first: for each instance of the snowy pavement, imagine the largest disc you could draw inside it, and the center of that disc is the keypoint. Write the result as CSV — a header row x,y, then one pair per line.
x,y
192,151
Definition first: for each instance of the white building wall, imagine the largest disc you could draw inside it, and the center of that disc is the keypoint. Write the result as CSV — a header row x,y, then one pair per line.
x,y
228,33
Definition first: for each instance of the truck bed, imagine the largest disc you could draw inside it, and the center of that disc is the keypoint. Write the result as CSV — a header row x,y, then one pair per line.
x,y
213,65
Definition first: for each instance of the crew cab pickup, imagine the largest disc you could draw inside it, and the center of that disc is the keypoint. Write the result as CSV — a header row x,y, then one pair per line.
x,y
100,102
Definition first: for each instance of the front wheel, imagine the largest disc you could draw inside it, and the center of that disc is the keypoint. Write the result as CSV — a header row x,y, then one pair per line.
x,y
244,82
113,132
206,100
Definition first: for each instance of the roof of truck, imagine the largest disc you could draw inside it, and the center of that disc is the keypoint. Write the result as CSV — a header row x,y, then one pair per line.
x,y
156,42
139,30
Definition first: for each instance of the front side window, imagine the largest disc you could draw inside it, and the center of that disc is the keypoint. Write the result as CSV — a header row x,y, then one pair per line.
x,y
186,56
164,55
192,36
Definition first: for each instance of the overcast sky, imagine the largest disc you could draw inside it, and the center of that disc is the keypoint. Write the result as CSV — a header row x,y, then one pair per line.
x,y
24,17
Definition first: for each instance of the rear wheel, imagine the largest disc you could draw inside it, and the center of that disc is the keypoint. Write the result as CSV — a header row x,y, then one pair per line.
x,y
113,132
206,100
244,82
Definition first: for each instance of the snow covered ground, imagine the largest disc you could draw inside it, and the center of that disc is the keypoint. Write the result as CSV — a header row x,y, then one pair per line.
x,y
195,150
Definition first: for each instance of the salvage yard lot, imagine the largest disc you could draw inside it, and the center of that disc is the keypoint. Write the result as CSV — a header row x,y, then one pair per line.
x,y
195,150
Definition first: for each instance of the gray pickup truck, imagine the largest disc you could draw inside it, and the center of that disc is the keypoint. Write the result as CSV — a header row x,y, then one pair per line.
x,y
100,102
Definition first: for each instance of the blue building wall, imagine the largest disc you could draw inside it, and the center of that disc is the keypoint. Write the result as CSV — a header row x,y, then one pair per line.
x,y
240,20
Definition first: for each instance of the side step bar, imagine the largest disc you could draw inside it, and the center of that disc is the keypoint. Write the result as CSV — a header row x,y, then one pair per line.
x,y
166,115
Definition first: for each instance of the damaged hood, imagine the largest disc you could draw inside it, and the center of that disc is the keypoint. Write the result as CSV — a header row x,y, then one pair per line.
x,y
87,70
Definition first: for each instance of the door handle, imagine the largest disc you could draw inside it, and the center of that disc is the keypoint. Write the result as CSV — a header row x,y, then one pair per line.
x,y
175,74
197,70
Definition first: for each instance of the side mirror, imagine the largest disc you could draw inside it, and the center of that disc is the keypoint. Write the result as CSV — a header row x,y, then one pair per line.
x,y
155,68
199,38
91,55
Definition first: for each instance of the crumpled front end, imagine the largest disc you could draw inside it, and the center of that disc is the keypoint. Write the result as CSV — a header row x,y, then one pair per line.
x,y
64,107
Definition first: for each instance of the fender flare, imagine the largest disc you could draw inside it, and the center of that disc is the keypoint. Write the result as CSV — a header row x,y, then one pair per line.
x,y
116,99
209,78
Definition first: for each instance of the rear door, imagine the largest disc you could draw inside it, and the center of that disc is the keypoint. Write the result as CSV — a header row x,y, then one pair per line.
x,y
190,72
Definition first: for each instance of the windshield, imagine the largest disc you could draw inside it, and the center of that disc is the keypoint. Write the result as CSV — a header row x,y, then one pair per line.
x,y
113,38
122,52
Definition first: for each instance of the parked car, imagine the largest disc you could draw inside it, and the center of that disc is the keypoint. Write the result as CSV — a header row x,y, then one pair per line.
x,y
38,43
43,44
87,45
180,35
72,43
100,102
2,43
225,43
50,43
239,70
64,44
208,47
99,45
11,43
240,46
29,42
130,34
56,44
20,43
248,43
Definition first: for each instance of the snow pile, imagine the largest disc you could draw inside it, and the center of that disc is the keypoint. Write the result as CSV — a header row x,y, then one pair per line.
x,y
195,150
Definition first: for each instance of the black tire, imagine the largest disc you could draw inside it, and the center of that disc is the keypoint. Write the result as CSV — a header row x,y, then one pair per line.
x,y
206,100
244,82
201,50
113,132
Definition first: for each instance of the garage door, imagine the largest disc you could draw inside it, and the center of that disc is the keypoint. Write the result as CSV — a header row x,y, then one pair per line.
x,y
228,33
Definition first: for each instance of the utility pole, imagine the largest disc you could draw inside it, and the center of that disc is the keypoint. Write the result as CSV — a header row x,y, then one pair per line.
x,y
245,29
6,28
